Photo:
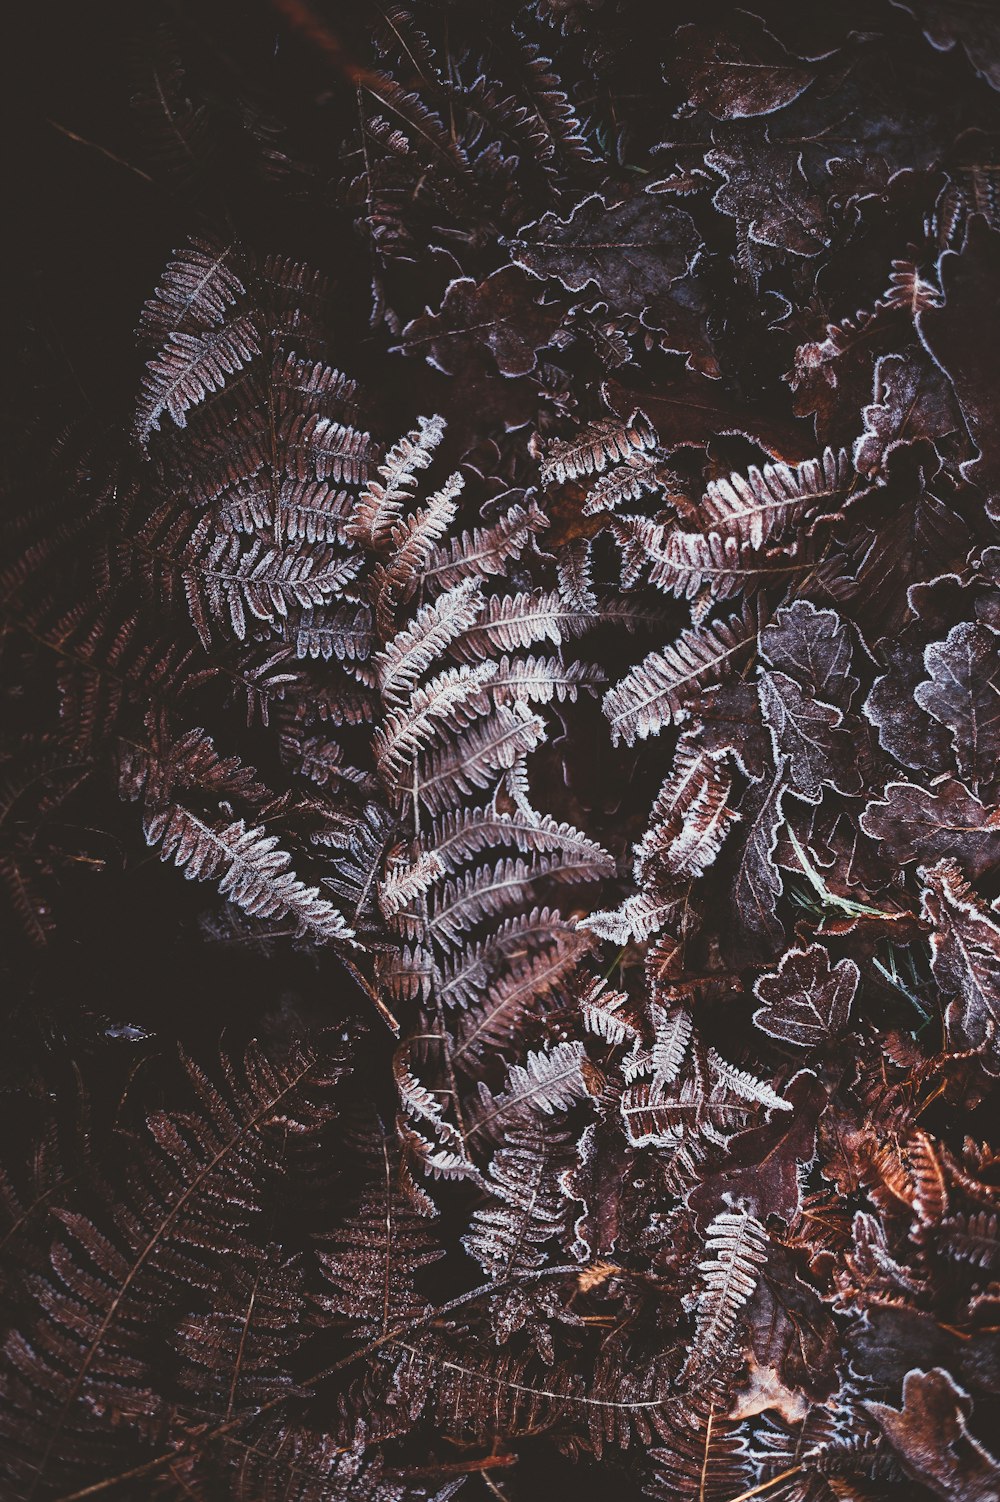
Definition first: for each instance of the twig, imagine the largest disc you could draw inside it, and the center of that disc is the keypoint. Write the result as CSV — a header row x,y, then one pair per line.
x,y
765,1486
119,161
370,992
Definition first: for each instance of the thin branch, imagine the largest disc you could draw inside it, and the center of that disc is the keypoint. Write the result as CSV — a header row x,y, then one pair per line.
x,y
765,1486
119,161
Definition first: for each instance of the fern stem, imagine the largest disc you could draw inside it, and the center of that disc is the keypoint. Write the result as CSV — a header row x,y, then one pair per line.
x,y
369,990
111,156
707,1453
755,1491
461,1467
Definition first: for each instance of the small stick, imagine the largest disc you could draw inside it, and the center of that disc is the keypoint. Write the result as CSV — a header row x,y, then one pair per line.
x,y
119,161
765,1486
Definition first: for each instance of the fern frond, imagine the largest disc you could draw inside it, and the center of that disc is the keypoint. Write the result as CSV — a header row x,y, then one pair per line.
x,y
549,1081
575,568
186,1223
307,510
639,475
512,621
187,368
250,869
296,296
344,633
511,997
511,1234
369,1260
713,565
485,892
382,502
679,1115
552,1079
540,680
689,820
704,1458
475,758
229,583
662,688
321,760
973,1239
316,447
404,884
745,1085
312,511
434,627
708,820
598,444
637,917
317,387
411,543
736,1249
563,126
425,129
909,290
455,695
462,978
181,132
197,291
485,551
774,500
463,834
606,1014
672,1035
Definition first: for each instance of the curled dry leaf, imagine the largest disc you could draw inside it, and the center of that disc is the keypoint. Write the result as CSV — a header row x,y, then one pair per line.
x,y
931,1437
